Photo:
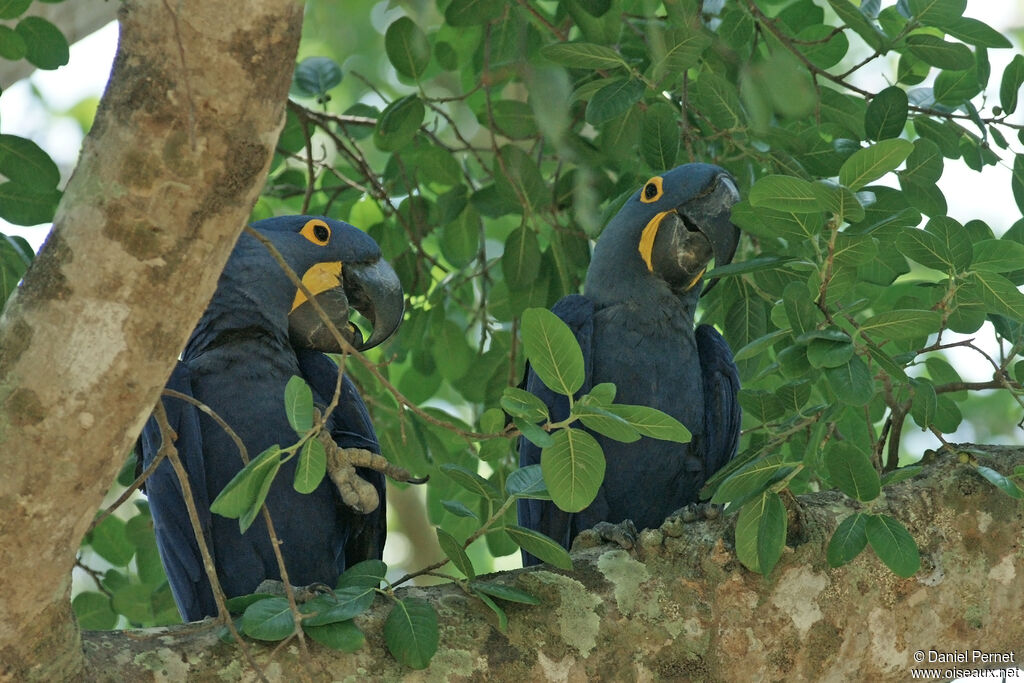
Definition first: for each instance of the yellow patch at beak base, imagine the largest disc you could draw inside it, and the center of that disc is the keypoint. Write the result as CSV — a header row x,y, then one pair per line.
x,y
319,278
695,280
647,238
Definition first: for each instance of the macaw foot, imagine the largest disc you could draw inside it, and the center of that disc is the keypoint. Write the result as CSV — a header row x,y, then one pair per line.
x,y
356,492
622,534
694,512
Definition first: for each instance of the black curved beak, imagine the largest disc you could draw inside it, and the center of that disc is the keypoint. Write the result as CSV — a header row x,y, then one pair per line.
x,y
372,289
710,214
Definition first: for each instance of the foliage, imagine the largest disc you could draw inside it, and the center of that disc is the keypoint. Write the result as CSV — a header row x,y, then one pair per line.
x,y
488,153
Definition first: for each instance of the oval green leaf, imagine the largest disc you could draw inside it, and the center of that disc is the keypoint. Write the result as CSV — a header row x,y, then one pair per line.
x,y
312,466
850,469
552,350
893,544
848,540
454,551
573,468
540,546
410,632
407,47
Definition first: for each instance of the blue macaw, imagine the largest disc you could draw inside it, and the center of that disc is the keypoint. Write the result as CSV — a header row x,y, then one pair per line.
x,y
257,332
635,325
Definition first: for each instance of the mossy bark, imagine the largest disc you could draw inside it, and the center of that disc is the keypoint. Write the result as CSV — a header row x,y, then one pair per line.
x,y
683,607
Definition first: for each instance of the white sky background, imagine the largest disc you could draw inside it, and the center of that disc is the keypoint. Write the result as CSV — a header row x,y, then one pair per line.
x,y
984,195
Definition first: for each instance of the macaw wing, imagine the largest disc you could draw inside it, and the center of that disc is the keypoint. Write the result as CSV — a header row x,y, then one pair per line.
x,y
722,412
175,538
577,312
351,428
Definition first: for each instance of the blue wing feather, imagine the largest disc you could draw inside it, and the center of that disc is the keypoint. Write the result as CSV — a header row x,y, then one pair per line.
x,y
722,412
577,312
176,541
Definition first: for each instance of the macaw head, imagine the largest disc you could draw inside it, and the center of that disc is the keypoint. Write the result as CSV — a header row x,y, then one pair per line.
x,y
342,268
670,229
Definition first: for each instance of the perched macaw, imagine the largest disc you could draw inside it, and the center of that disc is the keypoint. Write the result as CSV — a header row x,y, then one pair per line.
x,y
257,332
635,325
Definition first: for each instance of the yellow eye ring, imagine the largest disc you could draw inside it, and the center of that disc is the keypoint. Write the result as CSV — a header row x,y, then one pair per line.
x,y
652,190
316,231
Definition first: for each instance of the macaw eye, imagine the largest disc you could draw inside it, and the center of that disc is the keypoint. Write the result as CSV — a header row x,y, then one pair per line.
x,y
316,231
652,190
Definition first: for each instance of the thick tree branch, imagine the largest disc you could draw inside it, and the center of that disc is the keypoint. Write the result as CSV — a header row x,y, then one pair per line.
x,y
686,608
166,180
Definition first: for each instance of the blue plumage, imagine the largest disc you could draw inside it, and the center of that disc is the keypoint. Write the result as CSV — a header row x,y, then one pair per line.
x,y
254,336
635,325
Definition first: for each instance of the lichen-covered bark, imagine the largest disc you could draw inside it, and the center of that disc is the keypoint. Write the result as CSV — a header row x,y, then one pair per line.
x,y
683,608
165,182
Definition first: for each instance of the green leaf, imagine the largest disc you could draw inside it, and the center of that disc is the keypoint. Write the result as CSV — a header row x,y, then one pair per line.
x,y
902,324
453,551
583,55
312,466
527,482
573,468
901,474
841,201
887,114
871,163
652,422
1016,182
999,294
410,632
520,403
771,532
613,100
533,433
893,544
24,162
243,496
997,256
976,33
47,47
472,12
717,99
853,16
269,619
925,248
683,48
802,314
93,611
12,46
110,542
399,123
552,350
367,574
1003,483
956,243
752,479
606,423
407,47
925,402
659,138
298,404
12,9
314,76
498,611
343,636
503,592
848,540
851,471
784,193
341,605
22,205
540,546
940,53
1009,86
826,353
520,261
514,119
760,405
936,12
458,509
518,181
852,382
471,481
600,395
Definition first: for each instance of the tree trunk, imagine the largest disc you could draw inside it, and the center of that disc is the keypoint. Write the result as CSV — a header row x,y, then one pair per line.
x,y
166,180
683,608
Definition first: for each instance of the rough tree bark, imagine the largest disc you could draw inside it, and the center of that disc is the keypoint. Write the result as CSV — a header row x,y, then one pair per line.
x,y
683,608
166,180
